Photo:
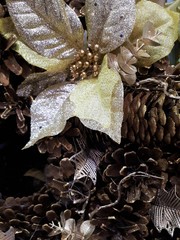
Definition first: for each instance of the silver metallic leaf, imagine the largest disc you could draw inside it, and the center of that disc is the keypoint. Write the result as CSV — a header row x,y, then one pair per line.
x,y
35,83
9,235
109,23
87,229
49,112
50,28
165,213
86,164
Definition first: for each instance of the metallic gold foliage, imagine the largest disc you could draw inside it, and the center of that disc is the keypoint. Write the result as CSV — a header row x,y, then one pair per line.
x,y
53,30
164,21
109,23
106,93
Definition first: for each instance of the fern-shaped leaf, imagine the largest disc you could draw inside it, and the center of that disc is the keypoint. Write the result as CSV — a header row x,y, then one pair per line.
x,y
86,164
165,213
9,235
50,28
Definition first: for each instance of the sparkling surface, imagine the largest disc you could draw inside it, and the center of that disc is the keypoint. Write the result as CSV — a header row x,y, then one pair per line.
x,y
49,112
109,23
52,30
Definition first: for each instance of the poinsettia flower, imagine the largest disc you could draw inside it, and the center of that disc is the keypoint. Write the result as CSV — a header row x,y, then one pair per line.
x,y
54,35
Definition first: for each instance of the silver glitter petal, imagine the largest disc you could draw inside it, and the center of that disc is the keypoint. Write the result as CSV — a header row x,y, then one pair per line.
x,y
49,112
109,23
53,30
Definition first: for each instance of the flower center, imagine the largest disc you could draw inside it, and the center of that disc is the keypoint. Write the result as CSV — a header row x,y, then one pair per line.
x,y
86,63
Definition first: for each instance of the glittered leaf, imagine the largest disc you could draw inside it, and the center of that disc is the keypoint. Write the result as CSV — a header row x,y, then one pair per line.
x,y
35,83
164,21
51,29
109,23
7,29
165,212
9,235
99,102
102,110
49,112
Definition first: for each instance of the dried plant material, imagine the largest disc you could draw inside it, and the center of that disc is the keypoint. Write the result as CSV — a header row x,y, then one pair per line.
x,y
13,65
103,109
109,23
164,21
35,173
49,112
2,11
7,30
86,228
126,61
165,213
71,231
9,235
150,34
4,76
53,30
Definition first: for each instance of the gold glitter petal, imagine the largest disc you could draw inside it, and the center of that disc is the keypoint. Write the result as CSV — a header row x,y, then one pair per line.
x,y
164,21
99,102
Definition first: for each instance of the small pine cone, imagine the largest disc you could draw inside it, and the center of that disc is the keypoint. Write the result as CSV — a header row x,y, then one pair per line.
x,y
13,105
123,162
130,178
30,216
60,145
150,117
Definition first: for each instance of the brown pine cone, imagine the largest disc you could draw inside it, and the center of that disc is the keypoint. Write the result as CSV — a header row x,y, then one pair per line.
x,y
61,145
30,216
151,117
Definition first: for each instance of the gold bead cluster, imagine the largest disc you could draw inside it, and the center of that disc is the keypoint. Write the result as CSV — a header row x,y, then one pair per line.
x,y
86,63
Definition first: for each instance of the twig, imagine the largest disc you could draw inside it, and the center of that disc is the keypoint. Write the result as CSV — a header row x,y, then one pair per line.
x,y
164,85
134,174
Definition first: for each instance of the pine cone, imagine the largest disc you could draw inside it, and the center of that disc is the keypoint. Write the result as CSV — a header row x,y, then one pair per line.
x,y
30,216
151,117
13,105
62,144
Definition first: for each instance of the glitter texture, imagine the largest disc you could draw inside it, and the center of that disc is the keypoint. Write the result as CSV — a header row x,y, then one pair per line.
x,y
99,102
49,112
109,23
53,30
